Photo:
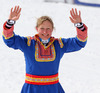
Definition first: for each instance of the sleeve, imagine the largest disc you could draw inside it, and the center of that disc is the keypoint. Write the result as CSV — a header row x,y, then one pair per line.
x,y
76,43
12,40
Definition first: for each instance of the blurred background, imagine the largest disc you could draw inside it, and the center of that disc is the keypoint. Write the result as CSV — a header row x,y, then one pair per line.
x,y
95,3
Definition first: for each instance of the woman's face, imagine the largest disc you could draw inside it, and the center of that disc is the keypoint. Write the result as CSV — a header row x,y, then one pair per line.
x,y
45,30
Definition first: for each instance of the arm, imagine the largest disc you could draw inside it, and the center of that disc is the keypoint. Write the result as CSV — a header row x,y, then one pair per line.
x,y
75,44
9,37
8,26
80,27
12,40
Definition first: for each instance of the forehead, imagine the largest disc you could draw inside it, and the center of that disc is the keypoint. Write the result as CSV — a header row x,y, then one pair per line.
x,y
46,23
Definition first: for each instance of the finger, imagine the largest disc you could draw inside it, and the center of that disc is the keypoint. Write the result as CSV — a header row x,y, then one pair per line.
x,y
15,8
76,11
72,20
10,13
18,16
11,10
80,13
73,12
19,11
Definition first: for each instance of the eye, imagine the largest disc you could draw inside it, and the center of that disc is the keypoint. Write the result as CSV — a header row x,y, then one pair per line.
x,y
42,28
48,29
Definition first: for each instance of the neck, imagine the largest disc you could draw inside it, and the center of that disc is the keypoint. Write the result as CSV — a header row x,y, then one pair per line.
x,y
45,41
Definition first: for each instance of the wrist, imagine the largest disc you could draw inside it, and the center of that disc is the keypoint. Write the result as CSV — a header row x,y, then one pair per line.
x,y
10,21
7,31
80,26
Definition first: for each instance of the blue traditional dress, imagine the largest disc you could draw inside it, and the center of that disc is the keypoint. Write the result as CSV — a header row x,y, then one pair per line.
x,y
42,63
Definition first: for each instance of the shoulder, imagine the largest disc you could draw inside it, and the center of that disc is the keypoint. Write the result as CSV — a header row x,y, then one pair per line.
x,y
29,39
59,40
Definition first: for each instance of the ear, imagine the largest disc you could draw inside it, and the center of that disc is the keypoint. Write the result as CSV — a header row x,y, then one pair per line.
x,y
36,28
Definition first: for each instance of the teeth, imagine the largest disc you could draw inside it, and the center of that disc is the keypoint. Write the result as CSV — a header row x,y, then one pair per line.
x,y
45,35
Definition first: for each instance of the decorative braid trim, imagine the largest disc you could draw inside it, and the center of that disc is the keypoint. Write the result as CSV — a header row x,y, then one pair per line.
x,y
60,42
41,80
81,39
8,37
46,59
28,40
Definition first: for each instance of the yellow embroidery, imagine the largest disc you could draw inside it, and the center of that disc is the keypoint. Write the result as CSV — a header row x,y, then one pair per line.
x,y
61,43
44,59
7,37
41,80
29,41
81,39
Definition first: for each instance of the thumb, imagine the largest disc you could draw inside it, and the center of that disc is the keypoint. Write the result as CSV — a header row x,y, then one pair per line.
x,y
71,20
18,15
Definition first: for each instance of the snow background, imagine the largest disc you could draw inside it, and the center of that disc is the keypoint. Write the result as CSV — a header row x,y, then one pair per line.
x,y
79,72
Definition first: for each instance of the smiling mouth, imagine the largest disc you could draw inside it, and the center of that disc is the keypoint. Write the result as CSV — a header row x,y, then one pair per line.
x,y
45,35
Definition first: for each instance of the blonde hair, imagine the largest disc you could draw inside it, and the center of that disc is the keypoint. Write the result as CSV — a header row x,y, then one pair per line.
x,y
42,19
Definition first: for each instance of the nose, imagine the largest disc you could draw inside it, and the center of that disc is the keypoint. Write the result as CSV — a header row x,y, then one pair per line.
x,y
45,31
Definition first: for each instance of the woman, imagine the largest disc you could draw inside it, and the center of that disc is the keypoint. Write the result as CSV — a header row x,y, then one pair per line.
x,y
43,52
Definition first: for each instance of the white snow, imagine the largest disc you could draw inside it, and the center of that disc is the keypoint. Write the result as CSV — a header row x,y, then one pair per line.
x,y
79,72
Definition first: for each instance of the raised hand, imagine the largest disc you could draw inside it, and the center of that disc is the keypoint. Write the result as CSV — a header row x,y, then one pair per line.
x,y
75,17
15,14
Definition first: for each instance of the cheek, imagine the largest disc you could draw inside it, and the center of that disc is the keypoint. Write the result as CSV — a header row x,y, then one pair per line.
x,y
39,31
50,32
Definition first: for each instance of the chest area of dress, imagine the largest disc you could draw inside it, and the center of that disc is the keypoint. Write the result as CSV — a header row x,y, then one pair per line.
x,y
44,54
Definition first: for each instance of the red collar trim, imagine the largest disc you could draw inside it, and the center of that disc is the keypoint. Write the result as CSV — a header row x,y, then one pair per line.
x,y
36,38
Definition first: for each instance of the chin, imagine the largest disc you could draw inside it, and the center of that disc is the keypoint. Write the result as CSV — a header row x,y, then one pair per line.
x,y
45,38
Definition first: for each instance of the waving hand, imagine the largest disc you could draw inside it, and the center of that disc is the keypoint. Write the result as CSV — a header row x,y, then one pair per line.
x,y
15,14
75,17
